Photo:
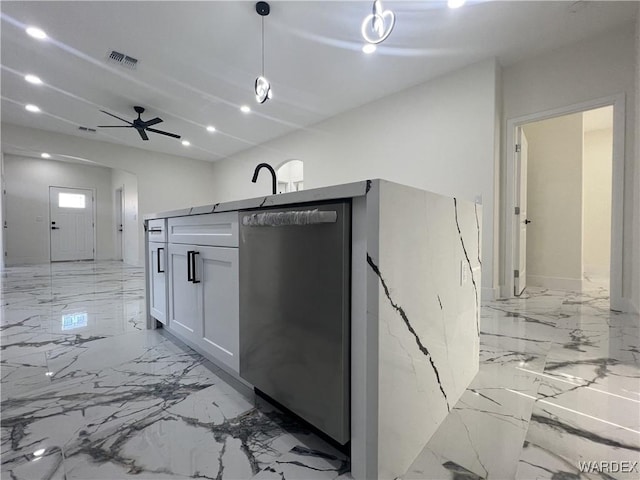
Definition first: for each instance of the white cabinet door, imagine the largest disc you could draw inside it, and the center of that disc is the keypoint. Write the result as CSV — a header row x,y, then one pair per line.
x,y
185,309
215,229
158,281
217,269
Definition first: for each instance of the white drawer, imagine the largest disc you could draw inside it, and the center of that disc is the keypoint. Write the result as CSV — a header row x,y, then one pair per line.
x,y
157,230
215,229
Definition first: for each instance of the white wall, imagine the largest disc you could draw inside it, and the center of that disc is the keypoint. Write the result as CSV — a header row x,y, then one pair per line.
x,y
27,183
554,202
165,182
130,231
2,212
635,287
437,136
595,68
596,202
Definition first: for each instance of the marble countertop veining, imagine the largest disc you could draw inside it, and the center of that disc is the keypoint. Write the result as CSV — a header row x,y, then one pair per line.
x,y
347,190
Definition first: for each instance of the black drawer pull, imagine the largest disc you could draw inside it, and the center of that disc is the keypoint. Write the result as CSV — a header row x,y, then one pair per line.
x,y
189,277
193,267
158,253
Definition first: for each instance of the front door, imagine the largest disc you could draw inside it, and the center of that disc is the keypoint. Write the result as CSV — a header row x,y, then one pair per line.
x,y
72,224
521,241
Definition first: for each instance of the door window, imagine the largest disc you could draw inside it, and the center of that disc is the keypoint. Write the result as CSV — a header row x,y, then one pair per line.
x,y
71,200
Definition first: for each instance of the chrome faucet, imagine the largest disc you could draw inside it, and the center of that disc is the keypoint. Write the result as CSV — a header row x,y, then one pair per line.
x,y
273,175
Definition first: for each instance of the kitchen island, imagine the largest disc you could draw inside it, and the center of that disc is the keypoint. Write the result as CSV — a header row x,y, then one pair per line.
x,y
414,293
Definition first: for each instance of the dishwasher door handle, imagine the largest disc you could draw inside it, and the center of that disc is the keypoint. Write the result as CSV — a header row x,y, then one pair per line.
x,y
290,218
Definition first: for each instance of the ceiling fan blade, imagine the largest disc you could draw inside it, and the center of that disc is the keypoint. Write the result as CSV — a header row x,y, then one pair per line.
x,y
115,116
115,126
153,121
163,133
143,134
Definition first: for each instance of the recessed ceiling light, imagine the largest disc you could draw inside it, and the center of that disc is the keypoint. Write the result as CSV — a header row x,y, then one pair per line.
x,y
36,32
39,452
456,3
211,128
32,108
45,155
368,48
186,143
245,109
33,79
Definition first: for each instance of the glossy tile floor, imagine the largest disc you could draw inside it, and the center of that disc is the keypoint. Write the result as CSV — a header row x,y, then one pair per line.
x,y
88,393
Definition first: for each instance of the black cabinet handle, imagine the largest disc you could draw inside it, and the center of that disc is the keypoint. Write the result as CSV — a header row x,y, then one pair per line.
x,y
527,221
193,267
55,228
189,277
158,253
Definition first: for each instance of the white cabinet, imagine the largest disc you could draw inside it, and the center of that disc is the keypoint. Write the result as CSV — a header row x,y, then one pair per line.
x,y
157,230
214,229
157,281
156,269
204,299
183,293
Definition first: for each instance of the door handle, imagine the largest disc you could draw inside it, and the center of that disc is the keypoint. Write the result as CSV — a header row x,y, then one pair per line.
x,y
193,267
55,228
158,253
527,221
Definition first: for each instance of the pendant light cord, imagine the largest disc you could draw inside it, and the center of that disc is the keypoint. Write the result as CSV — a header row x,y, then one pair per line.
x,y
263,46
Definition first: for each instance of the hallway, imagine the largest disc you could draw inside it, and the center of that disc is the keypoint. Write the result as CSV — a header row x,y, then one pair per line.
x,y
88,392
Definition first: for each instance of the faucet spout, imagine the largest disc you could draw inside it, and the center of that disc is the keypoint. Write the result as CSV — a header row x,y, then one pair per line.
x,y
273,175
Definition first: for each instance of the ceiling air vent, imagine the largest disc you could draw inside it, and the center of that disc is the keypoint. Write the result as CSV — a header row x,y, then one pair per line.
x,y
123,60
87,129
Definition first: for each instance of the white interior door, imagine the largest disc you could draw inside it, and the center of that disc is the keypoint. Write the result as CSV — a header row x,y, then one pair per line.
x,y
72,224
119,209
520,274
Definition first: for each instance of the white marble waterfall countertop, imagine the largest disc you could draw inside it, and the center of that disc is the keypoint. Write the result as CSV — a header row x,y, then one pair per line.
x,y
334,192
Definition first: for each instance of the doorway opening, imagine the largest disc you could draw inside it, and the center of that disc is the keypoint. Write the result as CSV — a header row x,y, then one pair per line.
x,y
566,200
119,222
72,225
291,176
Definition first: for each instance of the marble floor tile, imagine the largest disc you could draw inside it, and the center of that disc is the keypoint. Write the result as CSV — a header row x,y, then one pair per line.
x,y
88,393
317,461
23,373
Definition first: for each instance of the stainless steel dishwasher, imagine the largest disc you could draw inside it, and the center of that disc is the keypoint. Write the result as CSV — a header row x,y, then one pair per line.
x,y
295,310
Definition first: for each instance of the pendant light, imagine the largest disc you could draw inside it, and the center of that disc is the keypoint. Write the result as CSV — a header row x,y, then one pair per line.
x,y
262,86
377,26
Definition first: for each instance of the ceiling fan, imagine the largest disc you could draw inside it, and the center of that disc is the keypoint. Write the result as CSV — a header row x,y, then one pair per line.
x,y
140,125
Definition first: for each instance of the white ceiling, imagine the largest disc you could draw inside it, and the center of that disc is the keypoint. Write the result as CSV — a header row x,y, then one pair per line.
x,y
198,61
